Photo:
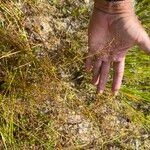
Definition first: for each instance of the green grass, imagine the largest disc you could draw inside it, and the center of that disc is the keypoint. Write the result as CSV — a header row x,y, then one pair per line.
x,y
42,82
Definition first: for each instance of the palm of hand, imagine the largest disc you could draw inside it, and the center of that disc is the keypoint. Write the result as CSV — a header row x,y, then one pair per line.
x,y
110,37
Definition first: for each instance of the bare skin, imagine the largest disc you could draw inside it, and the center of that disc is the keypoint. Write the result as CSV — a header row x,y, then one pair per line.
x,y
113,30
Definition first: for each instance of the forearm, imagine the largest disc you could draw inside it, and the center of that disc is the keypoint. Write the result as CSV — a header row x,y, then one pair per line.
x,y
114,6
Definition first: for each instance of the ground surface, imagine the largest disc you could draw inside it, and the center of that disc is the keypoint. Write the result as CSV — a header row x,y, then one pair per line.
x,y
47,101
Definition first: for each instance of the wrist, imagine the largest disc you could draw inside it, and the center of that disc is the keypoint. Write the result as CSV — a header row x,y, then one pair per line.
x,y
114,6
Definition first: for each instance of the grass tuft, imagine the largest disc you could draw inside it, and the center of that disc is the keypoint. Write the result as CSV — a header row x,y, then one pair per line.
x,y
46,101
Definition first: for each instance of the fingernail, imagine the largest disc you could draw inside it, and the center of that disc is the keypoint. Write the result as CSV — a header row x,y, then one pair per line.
x,y
100,91
115,93
94,82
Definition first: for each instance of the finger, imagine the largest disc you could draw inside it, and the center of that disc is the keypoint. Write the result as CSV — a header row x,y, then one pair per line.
x,y
97,35
118,75
96,71
144,41
103,76
88,63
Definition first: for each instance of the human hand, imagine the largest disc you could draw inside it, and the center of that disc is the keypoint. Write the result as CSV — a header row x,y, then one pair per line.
x,y
113,29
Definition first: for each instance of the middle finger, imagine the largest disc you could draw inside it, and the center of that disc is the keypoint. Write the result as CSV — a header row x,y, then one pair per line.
x,y
103,76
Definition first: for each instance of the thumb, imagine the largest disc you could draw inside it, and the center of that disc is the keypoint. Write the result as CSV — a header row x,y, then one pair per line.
x,y
144,41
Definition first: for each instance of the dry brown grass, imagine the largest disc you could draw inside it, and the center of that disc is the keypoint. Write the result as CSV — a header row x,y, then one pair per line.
x,y
46,100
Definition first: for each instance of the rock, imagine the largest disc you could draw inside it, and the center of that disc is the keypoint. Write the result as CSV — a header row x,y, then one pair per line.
x,y
74,119
87,1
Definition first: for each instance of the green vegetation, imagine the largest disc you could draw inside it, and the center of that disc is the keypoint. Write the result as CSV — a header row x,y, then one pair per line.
x,y
46,99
